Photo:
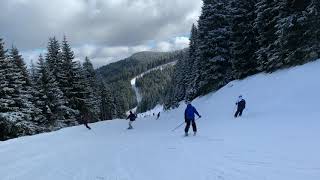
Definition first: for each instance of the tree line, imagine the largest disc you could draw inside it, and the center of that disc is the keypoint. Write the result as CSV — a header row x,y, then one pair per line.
x,y
52,94
153,87
237,38
117,76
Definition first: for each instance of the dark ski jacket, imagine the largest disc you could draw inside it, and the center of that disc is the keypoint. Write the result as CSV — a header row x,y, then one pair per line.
x,y
189,112
241,104
132,117
85,118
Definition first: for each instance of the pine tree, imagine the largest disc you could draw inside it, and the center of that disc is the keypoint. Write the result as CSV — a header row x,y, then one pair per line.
x,y
6,101
68,72
25,91
90,80
82,97
214,52
312,28
296,43
193,63
90,72
51,100
14,53
180,83
32,72
53,57
107,105
16,109
267,12
243,39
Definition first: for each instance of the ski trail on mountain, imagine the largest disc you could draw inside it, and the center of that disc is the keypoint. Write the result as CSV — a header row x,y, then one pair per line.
x,y
133,81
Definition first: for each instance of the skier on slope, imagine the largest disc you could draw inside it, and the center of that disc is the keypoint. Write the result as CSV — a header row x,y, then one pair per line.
x,y
85,117
158,115
132,117
189,118
241,105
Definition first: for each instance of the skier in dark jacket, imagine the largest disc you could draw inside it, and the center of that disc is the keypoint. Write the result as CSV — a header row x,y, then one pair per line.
x,y
189,118
241,105
86,118
132,117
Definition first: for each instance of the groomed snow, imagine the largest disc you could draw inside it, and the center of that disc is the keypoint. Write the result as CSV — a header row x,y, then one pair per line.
x,y
276,139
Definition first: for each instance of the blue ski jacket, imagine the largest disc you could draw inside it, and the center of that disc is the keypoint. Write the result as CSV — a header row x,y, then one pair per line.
x,y
189,112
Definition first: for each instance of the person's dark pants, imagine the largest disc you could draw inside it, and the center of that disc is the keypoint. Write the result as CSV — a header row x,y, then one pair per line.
x,y
238,113
188,123
86,125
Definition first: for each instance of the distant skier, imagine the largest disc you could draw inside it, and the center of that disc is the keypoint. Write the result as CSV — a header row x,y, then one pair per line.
x,y
86,118
158,116
132,117
189,118
241,105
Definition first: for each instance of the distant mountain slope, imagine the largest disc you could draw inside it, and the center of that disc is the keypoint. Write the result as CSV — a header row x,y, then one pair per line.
x,y
137,64
116,77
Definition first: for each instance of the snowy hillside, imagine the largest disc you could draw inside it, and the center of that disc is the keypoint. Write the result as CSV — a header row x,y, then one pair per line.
x,y
133,81
276,139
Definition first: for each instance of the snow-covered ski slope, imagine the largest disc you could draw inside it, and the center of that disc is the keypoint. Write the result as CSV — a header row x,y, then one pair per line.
x,y
276,139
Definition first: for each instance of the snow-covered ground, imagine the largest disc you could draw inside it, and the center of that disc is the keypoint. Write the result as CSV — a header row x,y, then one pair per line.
x,y
276,139
152,112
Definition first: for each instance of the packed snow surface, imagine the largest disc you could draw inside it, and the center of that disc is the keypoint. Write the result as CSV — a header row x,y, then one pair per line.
x,y
276,139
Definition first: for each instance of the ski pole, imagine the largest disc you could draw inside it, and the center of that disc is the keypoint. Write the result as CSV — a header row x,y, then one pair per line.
x,y
178,126
181,125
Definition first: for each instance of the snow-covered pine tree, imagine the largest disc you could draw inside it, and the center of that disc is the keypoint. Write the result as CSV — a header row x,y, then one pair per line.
x,y
193,71
243,42
14,54
68,72
82,94
312,28
180,72
107,105
296,42
214,52
42,101
16,109
32,72
54,57
267,12
51,100
70,78
25,89
90,80
90,72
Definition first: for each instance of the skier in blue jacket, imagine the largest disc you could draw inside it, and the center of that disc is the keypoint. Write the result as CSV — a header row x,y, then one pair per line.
x,y
189,115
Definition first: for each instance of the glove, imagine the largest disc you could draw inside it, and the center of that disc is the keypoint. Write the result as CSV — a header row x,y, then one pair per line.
x,y
199,116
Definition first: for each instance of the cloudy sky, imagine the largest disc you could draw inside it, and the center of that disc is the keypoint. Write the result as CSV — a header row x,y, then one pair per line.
x,y
104,30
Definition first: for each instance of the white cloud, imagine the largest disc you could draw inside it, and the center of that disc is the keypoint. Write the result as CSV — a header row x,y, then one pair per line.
x,y
181,42
104,30
175,44
163,46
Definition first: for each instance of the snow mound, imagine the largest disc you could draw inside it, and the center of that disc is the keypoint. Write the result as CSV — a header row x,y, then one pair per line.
x,y
276,139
